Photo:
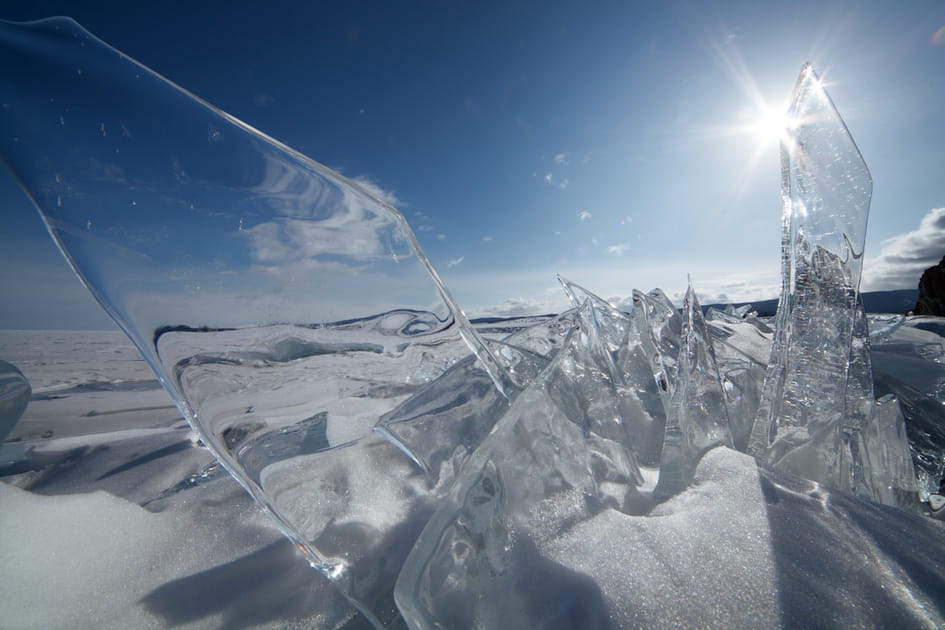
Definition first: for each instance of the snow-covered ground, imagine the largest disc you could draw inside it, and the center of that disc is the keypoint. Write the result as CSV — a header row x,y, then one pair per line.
x,y
99,440
112,515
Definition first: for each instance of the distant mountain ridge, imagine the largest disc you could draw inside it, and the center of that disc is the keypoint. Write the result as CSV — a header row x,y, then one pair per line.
x,y
898,301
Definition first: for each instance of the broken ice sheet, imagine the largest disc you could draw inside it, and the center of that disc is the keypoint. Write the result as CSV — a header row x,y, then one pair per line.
x,y
557,457
826,190
284,307
289,310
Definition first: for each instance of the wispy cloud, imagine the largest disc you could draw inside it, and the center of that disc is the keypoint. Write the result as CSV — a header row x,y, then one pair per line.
x,y
618,250
357,228
372,188
454,262
562,158
263,100
903,258
441,237
584,215
521,306
557,183
486,239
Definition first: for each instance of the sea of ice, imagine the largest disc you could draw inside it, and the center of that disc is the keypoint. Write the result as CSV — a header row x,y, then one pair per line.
x,y
664,467
115,516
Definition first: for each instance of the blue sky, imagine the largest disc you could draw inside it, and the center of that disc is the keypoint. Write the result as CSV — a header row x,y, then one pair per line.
x,y
610,142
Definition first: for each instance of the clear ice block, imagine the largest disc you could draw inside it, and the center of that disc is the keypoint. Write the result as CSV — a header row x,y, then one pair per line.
x,y
825,189
284,307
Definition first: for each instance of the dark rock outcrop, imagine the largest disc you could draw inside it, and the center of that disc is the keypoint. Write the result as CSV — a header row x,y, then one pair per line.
x,y
932,291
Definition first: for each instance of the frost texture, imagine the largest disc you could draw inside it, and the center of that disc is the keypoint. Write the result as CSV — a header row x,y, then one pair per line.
x,y
437,477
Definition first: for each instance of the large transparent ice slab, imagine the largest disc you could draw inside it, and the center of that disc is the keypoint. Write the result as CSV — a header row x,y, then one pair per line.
x,y
817,397
285,307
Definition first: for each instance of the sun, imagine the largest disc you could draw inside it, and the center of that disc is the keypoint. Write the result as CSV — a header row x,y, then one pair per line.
x,y
772,125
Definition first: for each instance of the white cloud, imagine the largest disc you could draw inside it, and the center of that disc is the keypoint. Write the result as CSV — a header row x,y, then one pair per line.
x,y
315,217
520,306
561,158
372,188
486,239
441,237
618,250
749,286
454,262
584,215
557,183
903,258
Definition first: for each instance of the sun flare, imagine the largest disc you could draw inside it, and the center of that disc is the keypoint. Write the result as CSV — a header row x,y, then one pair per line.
x,y
772,125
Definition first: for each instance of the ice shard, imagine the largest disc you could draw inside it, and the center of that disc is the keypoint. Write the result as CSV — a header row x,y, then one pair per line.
x,y
15,392
825,189
659,325
285,307
440,426
607,328
926,433
885,460
698,418
622,350
741,350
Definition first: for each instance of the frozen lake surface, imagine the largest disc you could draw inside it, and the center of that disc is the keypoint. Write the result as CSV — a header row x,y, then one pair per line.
x,y
114,516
